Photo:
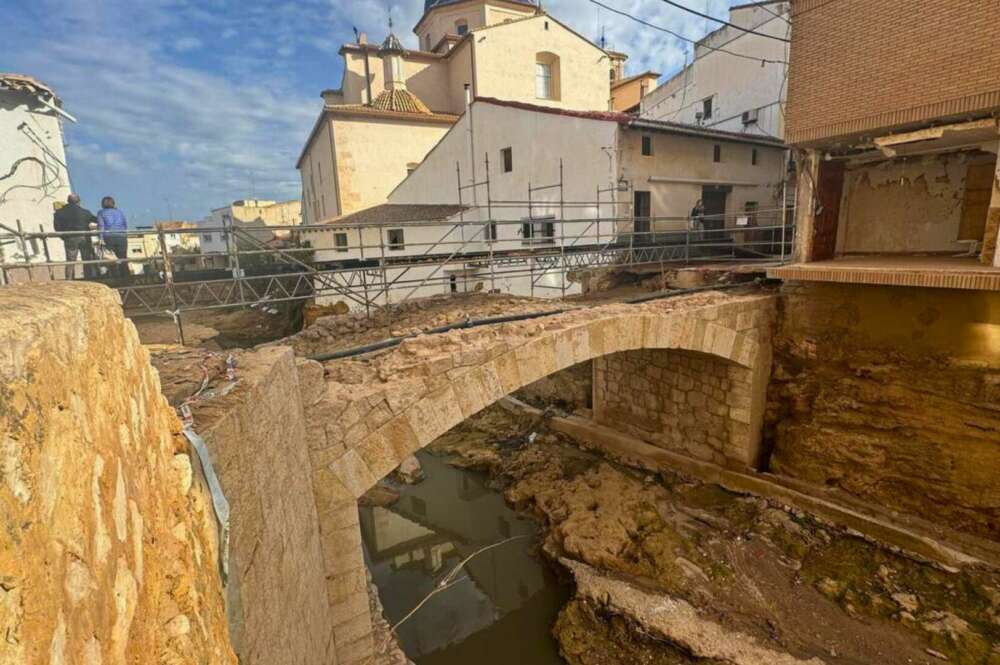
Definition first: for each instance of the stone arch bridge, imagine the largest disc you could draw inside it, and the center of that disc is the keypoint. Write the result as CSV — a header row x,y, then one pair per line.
x,y
687,373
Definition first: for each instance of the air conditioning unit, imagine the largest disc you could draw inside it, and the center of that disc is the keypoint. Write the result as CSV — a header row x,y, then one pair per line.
x,y
750,117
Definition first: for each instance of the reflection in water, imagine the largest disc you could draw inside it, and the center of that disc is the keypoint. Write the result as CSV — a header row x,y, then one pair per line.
x,y
503,609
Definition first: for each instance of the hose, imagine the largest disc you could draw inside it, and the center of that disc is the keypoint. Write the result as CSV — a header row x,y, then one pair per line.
x,y
475,323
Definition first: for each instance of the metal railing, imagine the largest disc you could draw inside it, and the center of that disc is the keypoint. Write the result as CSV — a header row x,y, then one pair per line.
x,y
362,265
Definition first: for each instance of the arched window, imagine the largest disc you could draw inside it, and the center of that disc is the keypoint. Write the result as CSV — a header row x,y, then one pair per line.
x,y
546,75
461,26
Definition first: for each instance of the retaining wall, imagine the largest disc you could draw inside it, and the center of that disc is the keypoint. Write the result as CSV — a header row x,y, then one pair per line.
x,y
109,552
279,612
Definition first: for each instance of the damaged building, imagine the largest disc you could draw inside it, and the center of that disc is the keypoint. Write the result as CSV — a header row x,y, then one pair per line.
x,y
887,357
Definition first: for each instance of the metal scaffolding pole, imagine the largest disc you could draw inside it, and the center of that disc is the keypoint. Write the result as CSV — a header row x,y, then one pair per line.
x,y
491,227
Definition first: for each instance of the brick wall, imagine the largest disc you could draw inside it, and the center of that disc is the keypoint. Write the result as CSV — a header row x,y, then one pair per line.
x,y
683,401
858,66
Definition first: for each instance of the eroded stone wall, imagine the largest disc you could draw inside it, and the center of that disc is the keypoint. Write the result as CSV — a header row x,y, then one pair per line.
x,y
257,436
891,395
687,402
109,552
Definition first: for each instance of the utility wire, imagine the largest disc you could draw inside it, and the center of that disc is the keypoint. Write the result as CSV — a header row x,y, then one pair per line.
x,y
719,20
775,14
686,39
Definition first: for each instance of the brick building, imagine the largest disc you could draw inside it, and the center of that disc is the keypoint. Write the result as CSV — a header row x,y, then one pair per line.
x,y
893,108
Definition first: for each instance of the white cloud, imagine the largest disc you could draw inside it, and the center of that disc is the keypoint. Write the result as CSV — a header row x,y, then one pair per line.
x,y
185,44
196,132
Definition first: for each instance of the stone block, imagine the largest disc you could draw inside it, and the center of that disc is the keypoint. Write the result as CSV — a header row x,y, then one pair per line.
x,y
344,585
400,436
354,473
348,608
355,628
378,455
477,388
434,415
536,359
508,372
357,652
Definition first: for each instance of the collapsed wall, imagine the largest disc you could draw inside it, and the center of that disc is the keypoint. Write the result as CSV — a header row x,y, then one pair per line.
x,y
892,396
110,552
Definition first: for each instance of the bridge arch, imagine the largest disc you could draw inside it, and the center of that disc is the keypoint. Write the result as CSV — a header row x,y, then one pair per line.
x,y
376,413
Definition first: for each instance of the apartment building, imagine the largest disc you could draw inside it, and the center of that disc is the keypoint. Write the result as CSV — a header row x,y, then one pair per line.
x,y
737,79
898,142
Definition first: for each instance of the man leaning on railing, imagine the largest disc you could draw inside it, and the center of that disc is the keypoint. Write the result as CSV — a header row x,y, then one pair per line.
x,y
72,217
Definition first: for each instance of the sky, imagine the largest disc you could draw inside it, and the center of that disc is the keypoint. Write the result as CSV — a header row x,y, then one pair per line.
x,y
187,105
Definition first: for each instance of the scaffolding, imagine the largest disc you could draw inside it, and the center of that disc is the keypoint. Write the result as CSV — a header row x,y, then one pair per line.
x,y
528,247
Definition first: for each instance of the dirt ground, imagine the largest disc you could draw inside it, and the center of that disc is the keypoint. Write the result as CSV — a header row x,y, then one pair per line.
x,y
222,329
779,578
345,331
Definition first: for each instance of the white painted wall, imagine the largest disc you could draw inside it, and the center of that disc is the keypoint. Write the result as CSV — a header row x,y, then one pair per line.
x,y
734,84
28,129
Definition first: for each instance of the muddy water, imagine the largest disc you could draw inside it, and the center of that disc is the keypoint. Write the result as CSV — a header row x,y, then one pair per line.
x,y
501,611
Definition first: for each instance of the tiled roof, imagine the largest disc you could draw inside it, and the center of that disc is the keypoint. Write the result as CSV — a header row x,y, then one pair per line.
x,y
398,213
610,116
23,83
399,101
629,79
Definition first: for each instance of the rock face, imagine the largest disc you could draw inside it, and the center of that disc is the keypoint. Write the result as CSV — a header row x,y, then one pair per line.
x,y
109,554
892,395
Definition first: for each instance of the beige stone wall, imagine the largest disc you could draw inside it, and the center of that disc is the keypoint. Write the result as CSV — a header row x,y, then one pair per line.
x,y
505,64
681,165
691,403
890,395
257,436
318,171
372,155
109,553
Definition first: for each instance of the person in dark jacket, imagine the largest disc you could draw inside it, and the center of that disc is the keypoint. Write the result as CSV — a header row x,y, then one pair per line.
x,y
114,234
74,218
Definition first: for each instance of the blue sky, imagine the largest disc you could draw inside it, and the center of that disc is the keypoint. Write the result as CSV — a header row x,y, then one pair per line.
x,y
186,105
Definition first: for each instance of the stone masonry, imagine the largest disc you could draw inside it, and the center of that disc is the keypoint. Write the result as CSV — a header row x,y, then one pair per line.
x,y
278,610
377,411
687,402
109,550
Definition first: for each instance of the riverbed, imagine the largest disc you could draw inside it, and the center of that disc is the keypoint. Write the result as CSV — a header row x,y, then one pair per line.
x,y
499,608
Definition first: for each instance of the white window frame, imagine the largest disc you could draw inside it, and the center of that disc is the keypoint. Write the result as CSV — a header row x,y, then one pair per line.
x,y
543,80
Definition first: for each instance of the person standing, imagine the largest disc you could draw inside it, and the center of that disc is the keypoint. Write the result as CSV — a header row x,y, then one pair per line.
x,y
73,218
114,234
698,216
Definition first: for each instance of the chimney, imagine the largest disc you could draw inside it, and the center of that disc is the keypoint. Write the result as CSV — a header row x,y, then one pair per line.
x,y
362,39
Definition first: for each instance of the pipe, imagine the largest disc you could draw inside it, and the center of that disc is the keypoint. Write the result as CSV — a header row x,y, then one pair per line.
x,y
475,323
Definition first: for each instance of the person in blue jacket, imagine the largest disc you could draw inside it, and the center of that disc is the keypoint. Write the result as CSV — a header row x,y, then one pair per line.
x,y
113,227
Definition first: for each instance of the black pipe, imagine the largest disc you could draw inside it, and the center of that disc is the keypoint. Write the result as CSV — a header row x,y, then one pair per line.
x,y
475,323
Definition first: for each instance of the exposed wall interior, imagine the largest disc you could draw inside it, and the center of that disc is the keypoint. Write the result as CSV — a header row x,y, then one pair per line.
x,y
916,205
891,395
